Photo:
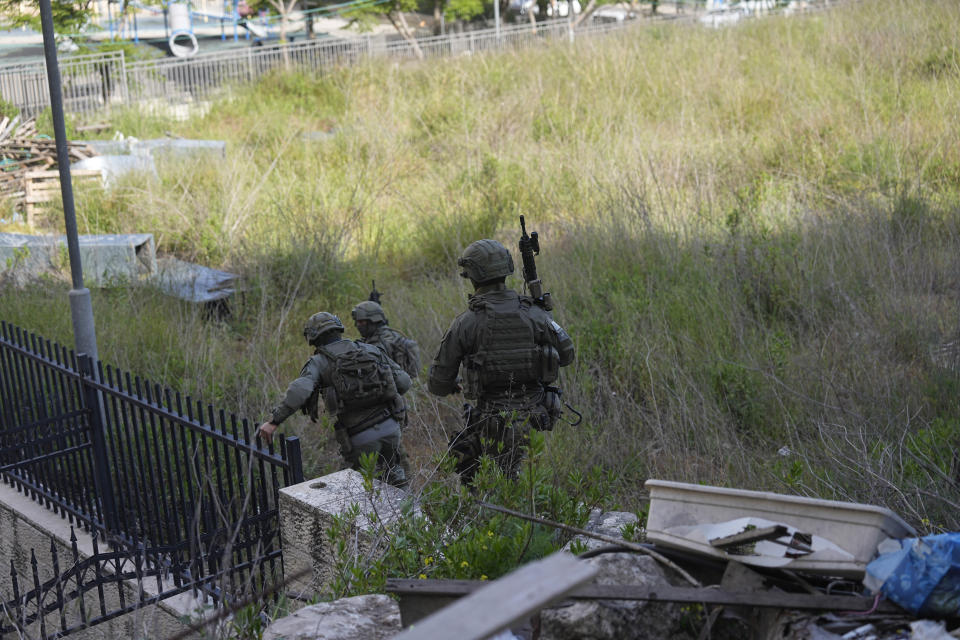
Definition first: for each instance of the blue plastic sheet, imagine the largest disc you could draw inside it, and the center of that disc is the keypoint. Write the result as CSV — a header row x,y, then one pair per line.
x,y
923,576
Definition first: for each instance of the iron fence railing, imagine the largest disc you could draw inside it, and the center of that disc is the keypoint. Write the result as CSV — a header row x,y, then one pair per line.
x,y
95,83
89,82
149,470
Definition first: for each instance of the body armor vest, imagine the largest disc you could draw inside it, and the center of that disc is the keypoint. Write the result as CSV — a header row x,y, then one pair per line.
x,y
507,360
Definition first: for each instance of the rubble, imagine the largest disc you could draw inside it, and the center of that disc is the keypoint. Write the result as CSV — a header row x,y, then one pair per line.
x,y
644,590
580,620
370,617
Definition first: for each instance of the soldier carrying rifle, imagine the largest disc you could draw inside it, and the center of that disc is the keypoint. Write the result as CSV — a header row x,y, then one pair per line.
x,y
511,351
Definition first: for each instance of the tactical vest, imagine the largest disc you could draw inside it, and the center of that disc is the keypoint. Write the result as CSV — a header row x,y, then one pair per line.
x,y
360,378
507,361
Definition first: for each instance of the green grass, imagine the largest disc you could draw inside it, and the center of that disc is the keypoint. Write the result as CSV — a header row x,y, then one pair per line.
x,y
751,234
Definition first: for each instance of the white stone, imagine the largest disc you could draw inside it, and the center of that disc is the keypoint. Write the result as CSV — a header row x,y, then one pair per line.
x,y
616,619
370,617
608,523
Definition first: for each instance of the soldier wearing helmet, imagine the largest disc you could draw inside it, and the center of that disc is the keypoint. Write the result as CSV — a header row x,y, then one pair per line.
x,y
371,322
510,351
359,384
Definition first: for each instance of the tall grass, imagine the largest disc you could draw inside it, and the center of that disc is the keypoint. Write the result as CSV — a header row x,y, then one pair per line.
x,y
752,235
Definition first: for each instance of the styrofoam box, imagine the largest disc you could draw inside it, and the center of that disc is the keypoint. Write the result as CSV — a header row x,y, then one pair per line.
x,y
856,528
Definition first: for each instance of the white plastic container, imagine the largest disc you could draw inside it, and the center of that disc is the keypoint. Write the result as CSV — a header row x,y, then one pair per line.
x,y
855,528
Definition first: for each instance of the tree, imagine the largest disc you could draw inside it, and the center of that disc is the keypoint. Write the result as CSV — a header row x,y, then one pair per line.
x,y
69,18
363,15
283,8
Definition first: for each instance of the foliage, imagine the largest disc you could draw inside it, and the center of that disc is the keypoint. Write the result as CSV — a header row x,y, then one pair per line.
x,y
45,124
68,17
446,534
755,254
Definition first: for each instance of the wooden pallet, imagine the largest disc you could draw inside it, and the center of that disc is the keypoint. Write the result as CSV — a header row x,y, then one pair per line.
x,y
44,186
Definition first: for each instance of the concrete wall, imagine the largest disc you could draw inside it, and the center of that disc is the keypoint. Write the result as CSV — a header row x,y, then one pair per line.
x,y
26,525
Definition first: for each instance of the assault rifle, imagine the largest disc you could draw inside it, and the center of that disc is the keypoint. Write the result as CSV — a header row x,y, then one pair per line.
x,y
374,294
530,247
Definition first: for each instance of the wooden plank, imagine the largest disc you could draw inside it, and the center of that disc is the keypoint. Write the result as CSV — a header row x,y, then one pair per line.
x,y
497,605
661,593
753,535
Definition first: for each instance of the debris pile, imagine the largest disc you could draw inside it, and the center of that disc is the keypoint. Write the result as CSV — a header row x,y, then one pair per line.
x,y
716,563
28,164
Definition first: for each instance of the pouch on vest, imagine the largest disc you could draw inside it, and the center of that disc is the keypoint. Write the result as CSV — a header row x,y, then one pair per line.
x,y
549,364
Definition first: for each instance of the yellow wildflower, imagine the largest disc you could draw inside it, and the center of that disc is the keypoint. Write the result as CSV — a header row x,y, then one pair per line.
x,y
423,576
464,564
483,577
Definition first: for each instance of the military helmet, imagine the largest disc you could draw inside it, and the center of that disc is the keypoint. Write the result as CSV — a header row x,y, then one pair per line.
x,y
319,324
368,310
485,260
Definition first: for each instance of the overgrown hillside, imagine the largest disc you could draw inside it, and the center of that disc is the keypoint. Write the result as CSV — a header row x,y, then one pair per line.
x,y
752,234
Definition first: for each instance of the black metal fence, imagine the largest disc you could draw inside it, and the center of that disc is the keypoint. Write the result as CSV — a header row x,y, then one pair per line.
x,y
178,483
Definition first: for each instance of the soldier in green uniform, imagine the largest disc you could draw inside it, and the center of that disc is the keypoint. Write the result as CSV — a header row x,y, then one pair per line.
x,y
511,351
358,383
371,322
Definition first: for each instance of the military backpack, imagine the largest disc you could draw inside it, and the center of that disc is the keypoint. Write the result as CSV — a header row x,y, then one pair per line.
x,y
361,378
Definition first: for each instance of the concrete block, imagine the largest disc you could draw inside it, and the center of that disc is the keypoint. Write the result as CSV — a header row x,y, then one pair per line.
x,y
307,511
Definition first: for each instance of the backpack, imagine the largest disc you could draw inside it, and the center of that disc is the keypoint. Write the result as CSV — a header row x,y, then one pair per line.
x,y
408,355
361,378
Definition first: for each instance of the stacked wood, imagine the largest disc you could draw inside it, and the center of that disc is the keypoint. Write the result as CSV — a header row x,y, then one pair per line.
x,y
44,186
25,158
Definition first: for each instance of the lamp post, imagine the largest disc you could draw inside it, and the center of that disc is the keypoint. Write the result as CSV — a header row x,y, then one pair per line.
x,y
81,310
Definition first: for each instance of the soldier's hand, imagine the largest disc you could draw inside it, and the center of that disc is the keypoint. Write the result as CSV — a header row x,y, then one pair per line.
x,y
266,431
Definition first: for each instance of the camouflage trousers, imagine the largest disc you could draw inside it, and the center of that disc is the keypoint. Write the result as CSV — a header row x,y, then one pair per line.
x,y
501,436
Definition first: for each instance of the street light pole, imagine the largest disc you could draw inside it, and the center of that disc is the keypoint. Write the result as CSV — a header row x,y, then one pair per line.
x,y
81,309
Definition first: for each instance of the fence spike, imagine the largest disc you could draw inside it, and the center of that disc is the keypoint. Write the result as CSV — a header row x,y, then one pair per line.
x,y
13,580
36,587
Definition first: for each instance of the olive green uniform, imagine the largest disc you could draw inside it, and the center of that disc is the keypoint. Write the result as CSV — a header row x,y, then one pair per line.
x,y
405,352
373,428
511,351
401,349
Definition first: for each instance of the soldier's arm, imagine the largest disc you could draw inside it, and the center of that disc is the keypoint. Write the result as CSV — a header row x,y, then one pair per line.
x,y
442,378
556,336
564,343
296,396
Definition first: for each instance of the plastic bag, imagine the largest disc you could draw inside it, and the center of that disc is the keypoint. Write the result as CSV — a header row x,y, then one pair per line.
x,y
922,576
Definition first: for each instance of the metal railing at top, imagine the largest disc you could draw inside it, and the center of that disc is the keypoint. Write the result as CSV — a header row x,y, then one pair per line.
x,y
151,470
89,82
94,83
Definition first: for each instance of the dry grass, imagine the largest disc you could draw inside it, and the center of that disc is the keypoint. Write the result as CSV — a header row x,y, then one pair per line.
x,y
751,233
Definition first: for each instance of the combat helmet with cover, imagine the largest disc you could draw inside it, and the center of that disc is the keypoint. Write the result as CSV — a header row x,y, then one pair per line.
x,y
369,310
319,324
485,260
